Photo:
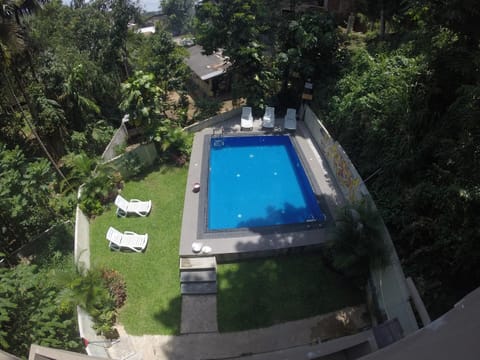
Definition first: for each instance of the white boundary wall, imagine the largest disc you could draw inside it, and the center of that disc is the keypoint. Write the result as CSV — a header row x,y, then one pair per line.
x,y
390,284
118,139
200,125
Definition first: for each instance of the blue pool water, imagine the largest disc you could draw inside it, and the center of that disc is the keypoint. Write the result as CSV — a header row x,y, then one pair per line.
x,y
258,181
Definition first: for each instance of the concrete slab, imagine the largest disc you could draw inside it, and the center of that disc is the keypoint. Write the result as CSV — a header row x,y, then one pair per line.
x,y
277,338
199,314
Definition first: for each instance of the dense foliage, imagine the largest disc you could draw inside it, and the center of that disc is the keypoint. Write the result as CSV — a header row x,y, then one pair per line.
x,y
358,245
404,101
29,312
406,109
63,69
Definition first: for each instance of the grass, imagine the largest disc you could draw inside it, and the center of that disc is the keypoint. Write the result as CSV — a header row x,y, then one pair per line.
x,y
251,294
260,293
153,292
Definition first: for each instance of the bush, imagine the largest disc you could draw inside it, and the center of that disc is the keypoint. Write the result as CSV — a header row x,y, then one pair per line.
x,y
89,291
206,108
100,189
173,143
116,286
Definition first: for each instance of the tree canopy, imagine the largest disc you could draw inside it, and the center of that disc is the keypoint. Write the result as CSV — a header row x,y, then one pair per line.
x,y
403,101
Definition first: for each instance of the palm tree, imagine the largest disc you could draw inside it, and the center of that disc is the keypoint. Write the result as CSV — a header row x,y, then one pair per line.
x,y
357,245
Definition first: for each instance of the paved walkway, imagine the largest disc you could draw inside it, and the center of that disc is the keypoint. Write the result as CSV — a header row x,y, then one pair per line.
x,y
307,335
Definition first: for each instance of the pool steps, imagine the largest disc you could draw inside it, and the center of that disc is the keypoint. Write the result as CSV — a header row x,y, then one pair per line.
x,y
198,275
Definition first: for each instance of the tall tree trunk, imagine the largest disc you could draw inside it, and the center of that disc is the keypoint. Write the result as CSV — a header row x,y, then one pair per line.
x,y
350,23
29,123
382,23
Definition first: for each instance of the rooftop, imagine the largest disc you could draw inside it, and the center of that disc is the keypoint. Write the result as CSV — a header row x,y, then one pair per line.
x,y
206,66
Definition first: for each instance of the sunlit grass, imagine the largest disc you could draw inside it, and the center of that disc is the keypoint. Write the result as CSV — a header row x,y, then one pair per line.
x,y
251,294
153,292
259,293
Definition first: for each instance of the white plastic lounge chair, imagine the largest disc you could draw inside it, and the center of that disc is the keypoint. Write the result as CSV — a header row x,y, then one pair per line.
x,y
269,118
247,118
127,240
134,206
291,119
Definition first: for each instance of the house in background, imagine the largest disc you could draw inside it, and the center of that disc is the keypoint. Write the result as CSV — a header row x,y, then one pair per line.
x,y
209,71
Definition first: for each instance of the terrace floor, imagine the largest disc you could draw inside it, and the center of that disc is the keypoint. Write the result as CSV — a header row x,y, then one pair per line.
x,y
232,245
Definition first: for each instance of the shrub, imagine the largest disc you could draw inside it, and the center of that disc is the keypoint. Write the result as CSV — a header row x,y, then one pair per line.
x,y
206,108
100,189
116,286
173,143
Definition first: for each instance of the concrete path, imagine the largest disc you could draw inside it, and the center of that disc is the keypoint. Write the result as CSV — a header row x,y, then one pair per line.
x,y
308,335
199,314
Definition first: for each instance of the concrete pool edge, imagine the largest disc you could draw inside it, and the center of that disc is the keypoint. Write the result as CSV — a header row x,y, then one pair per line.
x,y
259,242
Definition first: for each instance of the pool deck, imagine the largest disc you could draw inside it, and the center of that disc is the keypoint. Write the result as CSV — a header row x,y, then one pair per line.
x,y
254,242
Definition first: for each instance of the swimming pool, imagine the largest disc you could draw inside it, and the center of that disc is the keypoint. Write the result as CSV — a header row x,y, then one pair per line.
x,y
257,181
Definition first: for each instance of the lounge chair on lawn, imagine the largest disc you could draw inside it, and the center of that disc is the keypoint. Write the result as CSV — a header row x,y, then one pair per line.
x,y
127,240
247,118
269,118
134,206
291,119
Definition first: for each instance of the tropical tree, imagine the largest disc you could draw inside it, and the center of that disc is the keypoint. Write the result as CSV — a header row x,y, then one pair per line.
x,y
26,200
309,47
29,312
143,100
180,15
238,27
159,55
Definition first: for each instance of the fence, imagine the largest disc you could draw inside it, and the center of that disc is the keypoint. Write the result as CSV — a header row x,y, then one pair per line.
x,y
390,288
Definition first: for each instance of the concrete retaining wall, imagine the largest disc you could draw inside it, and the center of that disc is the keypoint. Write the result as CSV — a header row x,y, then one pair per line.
x,y
146,154
82,238
215,120
391,290
82,260
119,139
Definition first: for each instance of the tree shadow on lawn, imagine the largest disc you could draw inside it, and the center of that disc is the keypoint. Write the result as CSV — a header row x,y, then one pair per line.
x,y
159,166
171,316
264,292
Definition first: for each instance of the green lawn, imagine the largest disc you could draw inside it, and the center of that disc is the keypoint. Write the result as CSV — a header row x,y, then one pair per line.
x,y
259,293
153,303
251,294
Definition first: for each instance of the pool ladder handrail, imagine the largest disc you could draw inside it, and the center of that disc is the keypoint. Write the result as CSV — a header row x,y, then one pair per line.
x,y
218,137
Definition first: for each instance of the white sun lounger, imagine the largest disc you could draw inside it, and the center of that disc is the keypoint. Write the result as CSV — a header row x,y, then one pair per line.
x,y
247,118
291,119
127,240
134,206
268,121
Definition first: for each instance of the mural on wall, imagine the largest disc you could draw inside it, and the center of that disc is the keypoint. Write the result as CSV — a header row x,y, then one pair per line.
x,y
342,171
